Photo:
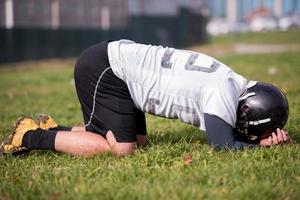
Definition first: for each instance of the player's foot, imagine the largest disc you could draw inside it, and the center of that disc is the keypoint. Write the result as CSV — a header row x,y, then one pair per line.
x,y
46,122
12,144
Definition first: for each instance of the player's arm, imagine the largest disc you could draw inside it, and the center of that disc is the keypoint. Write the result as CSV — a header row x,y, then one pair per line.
x,y
220,135
141,135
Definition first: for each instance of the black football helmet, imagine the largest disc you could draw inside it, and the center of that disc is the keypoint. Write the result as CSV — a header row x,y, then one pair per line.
x,y
262,109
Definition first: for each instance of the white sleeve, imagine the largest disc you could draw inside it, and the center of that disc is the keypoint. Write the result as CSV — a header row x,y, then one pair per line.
x,y
222,102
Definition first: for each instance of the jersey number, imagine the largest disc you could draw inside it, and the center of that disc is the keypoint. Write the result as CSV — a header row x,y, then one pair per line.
x,y
190,64
186,114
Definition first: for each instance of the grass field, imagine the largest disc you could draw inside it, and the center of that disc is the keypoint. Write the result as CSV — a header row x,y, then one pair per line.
x,y
159,171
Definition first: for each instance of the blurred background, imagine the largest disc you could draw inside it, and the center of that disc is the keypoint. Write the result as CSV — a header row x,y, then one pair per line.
x,y
38,29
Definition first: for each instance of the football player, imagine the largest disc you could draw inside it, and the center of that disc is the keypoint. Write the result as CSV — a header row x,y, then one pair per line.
x,y
118,81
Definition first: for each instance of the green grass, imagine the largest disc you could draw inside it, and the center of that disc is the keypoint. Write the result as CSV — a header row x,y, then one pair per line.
x,y
290,37
157,172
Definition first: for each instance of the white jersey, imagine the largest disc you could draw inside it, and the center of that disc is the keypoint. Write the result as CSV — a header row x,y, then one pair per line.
x,y
177,83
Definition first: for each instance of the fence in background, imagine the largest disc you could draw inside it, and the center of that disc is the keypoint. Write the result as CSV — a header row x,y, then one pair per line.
x,y
19,44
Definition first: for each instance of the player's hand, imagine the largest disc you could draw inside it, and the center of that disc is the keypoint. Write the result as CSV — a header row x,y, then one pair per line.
x,y
280,137
141,140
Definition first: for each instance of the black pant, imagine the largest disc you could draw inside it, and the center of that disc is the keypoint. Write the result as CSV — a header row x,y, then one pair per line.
x,y
114,108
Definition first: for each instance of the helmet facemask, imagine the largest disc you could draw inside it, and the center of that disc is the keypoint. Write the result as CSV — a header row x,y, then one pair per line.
x,y
242,124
